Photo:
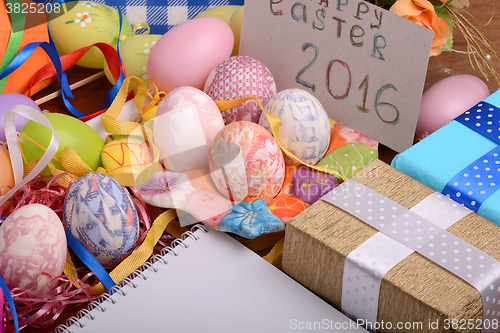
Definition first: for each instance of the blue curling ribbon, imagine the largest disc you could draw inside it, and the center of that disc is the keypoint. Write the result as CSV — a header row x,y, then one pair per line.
x,y
116,87
8,296
10,301
91,262
480,179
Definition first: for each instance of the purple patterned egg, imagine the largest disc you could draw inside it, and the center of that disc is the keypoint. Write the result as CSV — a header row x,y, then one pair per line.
x,y
310,185
99,212
32,248
238,77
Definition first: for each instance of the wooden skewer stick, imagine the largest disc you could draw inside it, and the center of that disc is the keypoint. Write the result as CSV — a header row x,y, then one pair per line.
x,y
73,86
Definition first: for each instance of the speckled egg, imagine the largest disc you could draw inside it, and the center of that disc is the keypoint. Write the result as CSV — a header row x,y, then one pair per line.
x,y
305,126
99,212
260,170
186,122
238,77
349,159
32,248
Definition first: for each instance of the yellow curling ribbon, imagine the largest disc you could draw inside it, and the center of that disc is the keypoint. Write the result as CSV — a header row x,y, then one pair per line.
x,y
74,165
275,123
140,255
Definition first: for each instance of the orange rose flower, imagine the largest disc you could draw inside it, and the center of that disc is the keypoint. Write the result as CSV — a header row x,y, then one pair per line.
x,y
422,12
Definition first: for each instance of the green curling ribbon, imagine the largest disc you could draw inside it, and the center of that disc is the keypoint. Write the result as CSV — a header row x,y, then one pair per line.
x,y
18,23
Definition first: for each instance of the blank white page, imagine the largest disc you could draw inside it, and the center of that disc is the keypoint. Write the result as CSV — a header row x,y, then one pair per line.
x,y
215,285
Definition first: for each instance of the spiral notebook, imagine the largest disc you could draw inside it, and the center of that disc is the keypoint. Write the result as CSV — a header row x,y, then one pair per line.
x,y
209,282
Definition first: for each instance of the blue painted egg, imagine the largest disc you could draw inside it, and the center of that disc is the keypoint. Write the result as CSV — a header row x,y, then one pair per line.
x,y
305,126
99,212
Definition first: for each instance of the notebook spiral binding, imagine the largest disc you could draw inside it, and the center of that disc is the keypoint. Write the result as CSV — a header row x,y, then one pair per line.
x,y
129,281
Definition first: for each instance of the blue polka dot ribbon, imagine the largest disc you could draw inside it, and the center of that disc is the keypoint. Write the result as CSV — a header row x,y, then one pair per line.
x,y
480,179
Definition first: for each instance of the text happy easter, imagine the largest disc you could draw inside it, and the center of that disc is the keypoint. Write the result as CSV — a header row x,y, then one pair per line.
x,y
332,17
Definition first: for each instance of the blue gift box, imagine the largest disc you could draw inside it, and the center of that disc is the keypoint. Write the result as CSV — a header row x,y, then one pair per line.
x,y
462,159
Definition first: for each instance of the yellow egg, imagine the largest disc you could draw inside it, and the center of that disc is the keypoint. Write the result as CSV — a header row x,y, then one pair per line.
x,y
134,52
222,12
235,24
6,175
84,24
126,154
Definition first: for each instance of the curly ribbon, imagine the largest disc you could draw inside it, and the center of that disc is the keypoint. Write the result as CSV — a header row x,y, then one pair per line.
x,y
10,301
275,123
15,149
70,59
75,166
89,260
18,21
139,256
148,111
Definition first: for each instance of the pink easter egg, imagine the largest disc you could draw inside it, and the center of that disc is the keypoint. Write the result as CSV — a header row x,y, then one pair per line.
x,y
238,77
262,170
32,248
186,122
187,53
447,99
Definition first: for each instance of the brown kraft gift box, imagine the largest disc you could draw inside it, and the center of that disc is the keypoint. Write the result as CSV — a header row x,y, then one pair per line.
x,y
416,290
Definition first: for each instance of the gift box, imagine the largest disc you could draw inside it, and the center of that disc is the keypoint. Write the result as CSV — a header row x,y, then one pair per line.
x,y
397,256
460,159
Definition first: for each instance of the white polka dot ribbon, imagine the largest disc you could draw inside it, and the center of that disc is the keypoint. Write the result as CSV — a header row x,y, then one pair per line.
x,y
403,231
480,179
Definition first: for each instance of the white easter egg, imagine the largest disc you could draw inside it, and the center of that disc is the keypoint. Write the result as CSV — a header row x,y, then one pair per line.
x,y
305,126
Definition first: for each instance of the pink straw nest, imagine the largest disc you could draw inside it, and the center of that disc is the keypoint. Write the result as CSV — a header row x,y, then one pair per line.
x,y
41,310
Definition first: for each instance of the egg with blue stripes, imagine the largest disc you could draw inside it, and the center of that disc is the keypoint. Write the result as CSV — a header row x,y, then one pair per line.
x,y
100,213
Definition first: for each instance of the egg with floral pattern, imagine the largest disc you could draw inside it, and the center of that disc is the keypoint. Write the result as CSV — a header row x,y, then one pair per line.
x,y
32,248
85,23
134,53
99,212
258,173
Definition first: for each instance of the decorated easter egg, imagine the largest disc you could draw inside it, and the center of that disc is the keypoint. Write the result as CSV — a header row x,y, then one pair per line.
x,y
286,206
84,24
186,122
222,12
447,99
71,131
188,52
305,126
7,102
235,24
238,77
32,248
261,170
349,159
7,174
127,155
134,53
101,215
310,185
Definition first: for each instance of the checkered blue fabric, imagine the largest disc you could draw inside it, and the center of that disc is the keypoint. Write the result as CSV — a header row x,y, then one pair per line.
x,y
162,15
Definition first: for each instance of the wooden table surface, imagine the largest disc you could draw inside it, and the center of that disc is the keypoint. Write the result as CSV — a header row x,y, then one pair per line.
x,y
90,98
